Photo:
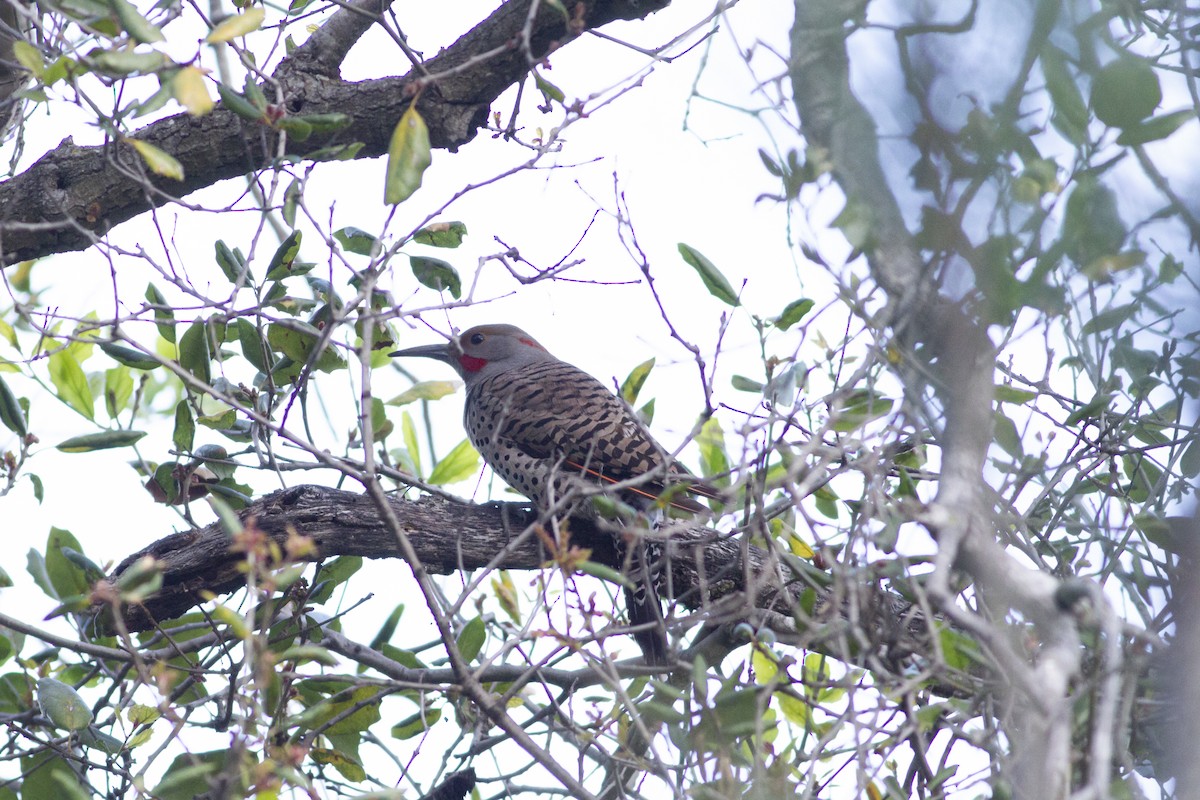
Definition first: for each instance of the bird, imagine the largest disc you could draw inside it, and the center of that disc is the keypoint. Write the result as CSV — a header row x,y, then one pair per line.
x,y
547,428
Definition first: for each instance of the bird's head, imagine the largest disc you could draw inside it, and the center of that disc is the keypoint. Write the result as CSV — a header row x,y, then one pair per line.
x,y
483,350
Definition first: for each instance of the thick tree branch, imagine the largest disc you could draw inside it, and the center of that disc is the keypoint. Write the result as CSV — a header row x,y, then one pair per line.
x,y
962,361
72,194
709,571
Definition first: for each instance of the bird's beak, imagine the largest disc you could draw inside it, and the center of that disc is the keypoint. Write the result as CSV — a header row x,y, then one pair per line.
x,y
447,353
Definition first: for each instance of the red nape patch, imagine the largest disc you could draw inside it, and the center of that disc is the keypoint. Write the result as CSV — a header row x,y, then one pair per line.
x,y
471,363
531,343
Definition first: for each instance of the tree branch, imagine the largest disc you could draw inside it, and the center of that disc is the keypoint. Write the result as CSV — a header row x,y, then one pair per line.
x,y
962,359
709,571
72,195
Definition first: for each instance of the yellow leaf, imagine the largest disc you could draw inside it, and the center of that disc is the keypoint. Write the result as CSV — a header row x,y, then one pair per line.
x,y
799,547
408,157
159,161
233,27
189,89
29,57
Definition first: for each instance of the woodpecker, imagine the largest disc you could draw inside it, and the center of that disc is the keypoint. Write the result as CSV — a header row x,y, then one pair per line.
x,y
544,425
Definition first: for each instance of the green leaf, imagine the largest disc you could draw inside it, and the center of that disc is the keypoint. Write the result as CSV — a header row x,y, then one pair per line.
x,y
29,57
1090,409
605,573
322,124
232,264
646,412
408,430
119,63
253,92
381,426
1154,129
345,763
1070,114
194,353
1189,464
158,100
425,390
550,92
436,274
1108,319
11,413
91,737
960,652
104,440
1125,92
308,652
714,462
284,259
291,201
185,427
295,127
163,314
159,161
128,356
35,565
60,68
332,575
357,722
1092,227
188,775
459,464
63,705
795,311
47,776
856,221
388,629
298,340
734,713
118,389
72,385
744,384
358,241
1144,477
235,26
253,347
860,407
337,152
441,234
416,724
238,104
471,640
140,580
134,23
1007,436
1007,394
632,385
91,571
714,281
409,155
64,574
219,421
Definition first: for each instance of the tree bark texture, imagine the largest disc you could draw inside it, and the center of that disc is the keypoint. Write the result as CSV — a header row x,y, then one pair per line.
x,y
716,574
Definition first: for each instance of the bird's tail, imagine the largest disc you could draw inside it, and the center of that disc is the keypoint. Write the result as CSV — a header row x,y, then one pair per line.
x,y
644,605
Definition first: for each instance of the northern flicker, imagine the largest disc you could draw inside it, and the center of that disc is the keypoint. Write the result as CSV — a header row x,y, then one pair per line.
x,y
544,425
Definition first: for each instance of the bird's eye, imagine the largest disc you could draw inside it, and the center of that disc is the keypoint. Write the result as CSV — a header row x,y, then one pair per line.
x,y
477,339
